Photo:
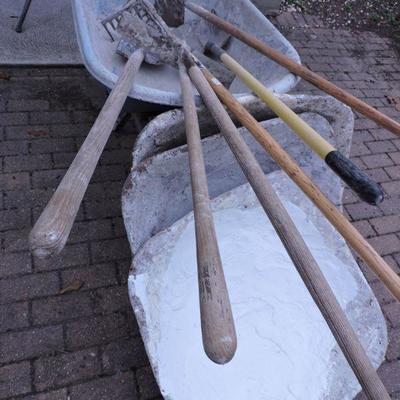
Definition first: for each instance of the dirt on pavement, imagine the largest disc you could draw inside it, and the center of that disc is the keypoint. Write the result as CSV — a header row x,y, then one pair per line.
x,y
380,16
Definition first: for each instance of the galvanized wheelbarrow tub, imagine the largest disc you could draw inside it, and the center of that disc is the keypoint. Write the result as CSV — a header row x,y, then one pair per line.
x,y
160,84
157,194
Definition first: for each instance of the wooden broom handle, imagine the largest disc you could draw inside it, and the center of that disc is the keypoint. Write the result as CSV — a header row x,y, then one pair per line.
x,y
298,69
337,219
217,326
294,244
51,231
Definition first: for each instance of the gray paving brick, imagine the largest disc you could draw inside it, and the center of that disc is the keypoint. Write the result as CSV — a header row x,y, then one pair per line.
x,y
71,256
61,308
389,373
49,117
28,105
123,355
110,300
394,172
84,116
47,179
91,230
26,132
109,173
362,136
14,316
381,293
95,331
377,161
147,384
365,228
359,149
14,219
13,118
15,240
31,197
384,225
359,211
27,163
14,181
386,244
379,175
391,188
28,287
393,351
11,148
63,160
392,313
15,264
70,130
58,371
91,277
36,342
117,387
384,146
61,394
396,142
15,379
51,145
107,250
390,206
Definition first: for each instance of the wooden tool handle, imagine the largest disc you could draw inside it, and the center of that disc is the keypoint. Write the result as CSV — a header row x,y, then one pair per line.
x,y
298,69
358,181
294,244
217,326
337,219
51,230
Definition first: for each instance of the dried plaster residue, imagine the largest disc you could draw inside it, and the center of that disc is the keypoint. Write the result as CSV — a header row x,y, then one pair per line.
x,y
285,349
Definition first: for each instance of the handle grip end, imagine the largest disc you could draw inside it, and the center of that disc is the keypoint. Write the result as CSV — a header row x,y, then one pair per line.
x,y
46,240
358,181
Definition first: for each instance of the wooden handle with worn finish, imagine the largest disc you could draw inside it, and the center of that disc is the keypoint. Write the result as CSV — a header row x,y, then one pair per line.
x,y
298,69
217,326
337,219
358,180
52,229
294,244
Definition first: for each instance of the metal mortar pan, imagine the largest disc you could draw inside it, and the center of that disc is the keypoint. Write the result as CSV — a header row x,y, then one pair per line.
x,y
160,84
157,195
151,203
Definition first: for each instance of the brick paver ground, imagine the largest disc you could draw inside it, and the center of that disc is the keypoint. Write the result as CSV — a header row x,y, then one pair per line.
x,y
85,344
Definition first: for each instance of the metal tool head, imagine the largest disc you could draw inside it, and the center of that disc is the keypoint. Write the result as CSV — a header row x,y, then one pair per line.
x,y
137,25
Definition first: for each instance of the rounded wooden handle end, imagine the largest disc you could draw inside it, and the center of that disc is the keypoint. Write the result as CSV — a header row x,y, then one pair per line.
x,y
221,350
50,233
218,328
44,245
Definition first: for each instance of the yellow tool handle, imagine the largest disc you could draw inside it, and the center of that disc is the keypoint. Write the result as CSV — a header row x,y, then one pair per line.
x,y
300,127
359,181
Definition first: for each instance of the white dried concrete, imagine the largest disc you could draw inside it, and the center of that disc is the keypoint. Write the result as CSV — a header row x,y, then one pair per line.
x,y
285,349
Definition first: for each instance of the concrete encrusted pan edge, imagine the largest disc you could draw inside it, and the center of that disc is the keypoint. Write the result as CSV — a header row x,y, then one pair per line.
x,y
164,137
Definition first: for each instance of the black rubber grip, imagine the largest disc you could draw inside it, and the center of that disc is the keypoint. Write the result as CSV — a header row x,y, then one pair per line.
x,y
358,181
213,49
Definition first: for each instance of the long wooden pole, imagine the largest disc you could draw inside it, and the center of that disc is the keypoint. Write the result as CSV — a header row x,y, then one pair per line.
x,y
294,244
358,180
218,330
282,158
298,69
51,231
